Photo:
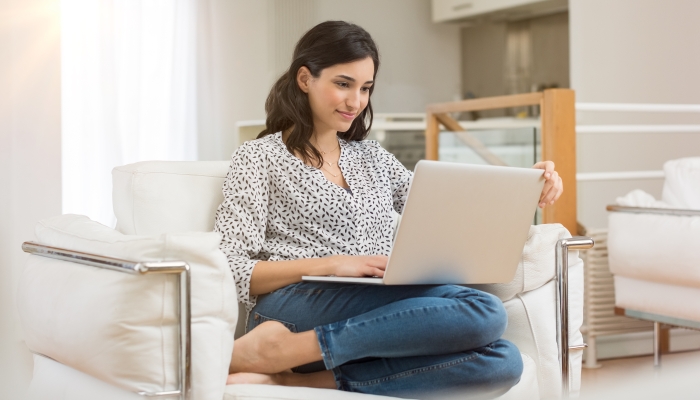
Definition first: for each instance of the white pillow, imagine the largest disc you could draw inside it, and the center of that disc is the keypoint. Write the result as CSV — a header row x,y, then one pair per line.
x,y
154,197
122,328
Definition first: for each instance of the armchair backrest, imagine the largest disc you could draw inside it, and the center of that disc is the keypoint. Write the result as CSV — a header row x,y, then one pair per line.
x,y
154,197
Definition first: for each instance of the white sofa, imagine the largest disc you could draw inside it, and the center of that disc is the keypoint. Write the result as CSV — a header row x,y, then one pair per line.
x,y
103,334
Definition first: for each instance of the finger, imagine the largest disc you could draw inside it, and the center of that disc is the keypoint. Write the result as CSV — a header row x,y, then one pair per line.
x,y
548,184
553,193
561,189
372,271
379,260
549,197
547,166
556,187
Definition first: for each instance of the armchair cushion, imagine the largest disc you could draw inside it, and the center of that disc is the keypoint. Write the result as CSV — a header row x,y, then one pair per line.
x,y
154,197
122,328
654,247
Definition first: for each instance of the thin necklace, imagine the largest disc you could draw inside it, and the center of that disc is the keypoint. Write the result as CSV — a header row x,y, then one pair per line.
x,y
330,164
329,152
334,175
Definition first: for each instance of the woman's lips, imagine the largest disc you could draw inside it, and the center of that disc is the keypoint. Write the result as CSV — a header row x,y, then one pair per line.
x,y
349,116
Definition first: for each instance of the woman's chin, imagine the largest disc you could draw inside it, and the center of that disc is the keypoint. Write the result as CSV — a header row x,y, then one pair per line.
x,y
343,127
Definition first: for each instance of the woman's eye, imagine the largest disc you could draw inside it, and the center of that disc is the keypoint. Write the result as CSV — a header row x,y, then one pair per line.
x,y
365,89
342,84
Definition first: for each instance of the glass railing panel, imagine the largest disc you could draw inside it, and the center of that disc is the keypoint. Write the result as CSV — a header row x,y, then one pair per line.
x,y
515,142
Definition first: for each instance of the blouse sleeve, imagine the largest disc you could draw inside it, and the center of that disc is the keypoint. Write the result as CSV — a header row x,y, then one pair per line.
x,y
399,177
242,217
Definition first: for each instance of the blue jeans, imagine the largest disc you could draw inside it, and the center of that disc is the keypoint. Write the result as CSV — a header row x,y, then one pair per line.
x,y
403,341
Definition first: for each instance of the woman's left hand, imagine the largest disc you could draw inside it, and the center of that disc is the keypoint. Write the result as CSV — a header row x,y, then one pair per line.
x,y
553,186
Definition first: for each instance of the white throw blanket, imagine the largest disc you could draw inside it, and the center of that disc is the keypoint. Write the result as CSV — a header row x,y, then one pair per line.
x,y
640,198
682,184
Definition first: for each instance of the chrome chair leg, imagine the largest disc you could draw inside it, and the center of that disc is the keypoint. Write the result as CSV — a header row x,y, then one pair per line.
x,y
657,344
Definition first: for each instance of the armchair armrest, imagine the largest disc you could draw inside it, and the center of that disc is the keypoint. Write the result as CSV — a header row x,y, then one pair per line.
x,y
648,210
180,268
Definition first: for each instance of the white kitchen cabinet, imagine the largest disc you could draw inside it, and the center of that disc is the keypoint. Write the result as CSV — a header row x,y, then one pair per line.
x,y
466,10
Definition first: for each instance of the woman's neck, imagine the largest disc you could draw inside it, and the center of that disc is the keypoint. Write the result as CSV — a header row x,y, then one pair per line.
x,y
325,141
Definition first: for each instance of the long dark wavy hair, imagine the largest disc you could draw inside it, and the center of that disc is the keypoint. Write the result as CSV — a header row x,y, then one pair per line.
x,y
287,106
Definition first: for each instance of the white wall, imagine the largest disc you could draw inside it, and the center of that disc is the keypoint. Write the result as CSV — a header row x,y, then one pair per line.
x,y
252,43
30,157
420,60
632,51
235,75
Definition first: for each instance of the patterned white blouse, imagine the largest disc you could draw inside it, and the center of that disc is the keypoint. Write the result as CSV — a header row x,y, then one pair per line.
x,y
278,208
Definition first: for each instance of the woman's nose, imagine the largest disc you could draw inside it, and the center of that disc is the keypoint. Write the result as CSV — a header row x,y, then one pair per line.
x,y
353,101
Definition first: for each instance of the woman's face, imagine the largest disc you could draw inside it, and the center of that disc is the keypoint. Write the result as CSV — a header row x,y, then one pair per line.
x,y
339,94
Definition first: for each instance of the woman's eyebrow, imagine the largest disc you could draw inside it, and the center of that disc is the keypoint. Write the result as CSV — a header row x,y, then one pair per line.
x,y
351,79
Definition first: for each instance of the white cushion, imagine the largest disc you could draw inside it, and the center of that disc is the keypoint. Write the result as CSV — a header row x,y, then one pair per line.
x,y
121,328
658,298
154,197
655,247
682,183
55,381
270,392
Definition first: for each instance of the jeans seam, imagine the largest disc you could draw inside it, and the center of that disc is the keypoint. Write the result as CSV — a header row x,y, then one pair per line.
x,y
325,350
415,371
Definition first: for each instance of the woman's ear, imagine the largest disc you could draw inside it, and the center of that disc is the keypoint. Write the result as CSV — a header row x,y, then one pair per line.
x,y
304,79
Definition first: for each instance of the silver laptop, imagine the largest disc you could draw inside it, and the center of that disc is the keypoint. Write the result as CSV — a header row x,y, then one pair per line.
x,y
462,224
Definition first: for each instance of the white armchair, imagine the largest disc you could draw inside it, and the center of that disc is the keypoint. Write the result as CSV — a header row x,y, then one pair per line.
x,y
653,251
166,326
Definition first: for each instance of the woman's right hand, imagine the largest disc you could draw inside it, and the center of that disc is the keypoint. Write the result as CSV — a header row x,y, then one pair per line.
x,y
359,266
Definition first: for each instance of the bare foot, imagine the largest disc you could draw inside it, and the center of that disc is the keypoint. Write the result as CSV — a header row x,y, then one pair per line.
x,y
271,348
322,379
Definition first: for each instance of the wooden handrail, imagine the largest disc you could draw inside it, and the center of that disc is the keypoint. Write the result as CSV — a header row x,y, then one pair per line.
x,y
487,103
558,119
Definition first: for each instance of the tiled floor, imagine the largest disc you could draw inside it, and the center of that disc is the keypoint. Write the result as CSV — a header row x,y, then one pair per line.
x,y
636,378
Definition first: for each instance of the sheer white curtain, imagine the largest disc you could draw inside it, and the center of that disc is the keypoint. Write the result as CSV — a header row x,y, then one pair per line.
x,y
129,83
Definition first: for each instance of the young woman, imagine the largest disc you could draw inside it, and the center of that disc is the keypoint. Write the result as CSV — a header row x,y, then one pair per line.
x,y
311,197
